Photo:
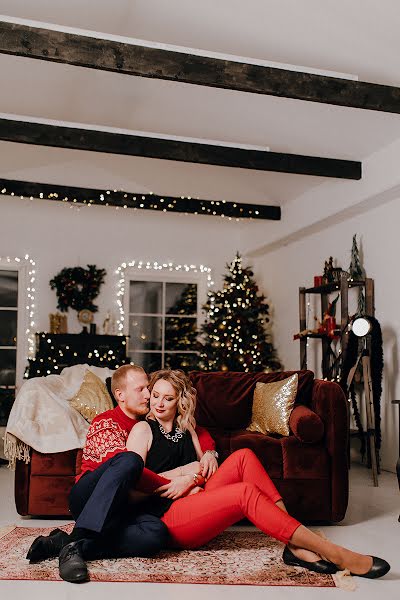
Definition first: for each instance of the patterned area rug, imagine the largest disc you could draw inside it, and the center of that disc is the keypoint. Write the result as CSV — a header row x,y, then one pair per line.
x,y
233,558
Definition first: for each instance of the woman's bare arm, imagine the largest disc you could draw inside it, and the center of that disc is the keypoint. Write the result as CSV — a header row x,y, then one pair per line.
x,y
189,469
140,439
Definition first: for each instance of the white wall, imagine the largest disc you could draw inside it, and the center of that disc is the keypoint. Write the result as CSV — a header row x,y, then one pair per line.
x,y
56,235
282,271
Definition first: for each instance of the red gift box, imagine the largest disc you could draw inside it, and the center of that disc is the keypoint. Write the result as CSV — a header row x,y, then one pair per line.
x,y
318,280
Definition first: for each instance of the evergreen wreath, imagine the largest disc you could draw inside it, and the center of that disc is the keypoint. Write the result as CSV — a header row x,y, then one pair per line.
x,y
77,287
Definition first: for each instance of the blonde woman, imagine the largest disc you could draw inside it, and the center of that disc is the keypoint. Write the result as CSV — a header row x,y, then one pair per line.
x,y
196,509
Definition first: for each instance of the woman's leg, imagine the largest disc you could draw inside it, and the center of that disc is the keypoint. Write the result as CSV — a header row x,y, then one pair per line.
x,y
195,520
243,465
341,557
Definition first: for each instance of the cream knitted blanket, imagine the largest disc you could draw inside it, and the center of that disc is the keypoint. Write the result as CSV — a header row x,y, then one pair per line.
x,y
42,418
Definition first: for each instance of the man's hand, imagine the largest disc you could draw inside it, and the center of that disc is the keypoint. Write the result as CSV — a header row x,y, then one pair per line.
x,y
176,488
208,465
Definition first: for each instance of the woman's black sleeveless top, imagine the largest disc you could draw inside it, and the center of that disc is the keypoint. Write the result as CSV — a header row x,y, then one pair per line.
x,y
164,455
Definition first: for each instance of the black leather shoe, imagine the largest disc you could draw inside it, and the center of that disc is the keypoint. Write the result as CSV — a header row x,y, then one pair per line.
x,y
47,546
379,568
319,566
72,566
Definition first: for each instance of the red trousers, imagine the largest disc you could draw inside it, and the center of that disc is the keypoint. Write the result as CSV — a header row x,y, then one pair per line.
x,y
240,488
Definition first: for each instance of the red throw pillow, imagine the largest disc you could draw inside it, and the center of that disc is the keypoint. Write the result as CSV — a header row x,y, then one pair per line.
x,y
306,425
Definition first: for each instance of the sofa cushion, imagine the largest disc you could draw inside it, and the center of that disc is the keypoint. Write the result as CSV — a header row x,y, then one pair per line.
x,y
224,399
306,425
92,398
272,406
267,449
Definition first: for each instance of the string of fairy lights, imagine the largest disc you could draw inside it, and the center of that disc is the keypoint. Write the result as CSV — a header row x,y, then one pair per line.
x,y
151,266
128,200
29,263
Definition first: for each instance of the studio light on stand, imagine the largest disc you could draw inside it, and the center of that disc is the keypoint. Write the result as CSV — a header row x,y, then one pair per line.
x,y
361,327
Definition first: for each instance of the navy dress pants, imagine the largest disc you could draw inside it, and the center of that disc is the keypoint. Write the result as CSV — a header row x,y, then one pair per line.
x,y
99,503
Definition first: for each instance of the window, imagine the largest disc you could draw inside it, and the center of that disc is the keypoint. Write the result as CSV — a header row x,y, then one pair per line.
x,y
8,340
17,308
162,316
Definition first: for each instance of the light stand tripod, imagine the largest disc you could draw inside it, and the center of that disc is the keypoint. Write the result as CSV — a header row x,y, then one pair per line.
x,y
365,359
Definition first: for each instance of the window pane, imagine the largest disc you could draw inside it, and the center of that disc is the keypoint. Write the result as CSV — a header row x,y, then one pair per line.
x,y
180,333
145,297
181,299
149,361
8,327
8,288
7,398
145,333
186,362
7,367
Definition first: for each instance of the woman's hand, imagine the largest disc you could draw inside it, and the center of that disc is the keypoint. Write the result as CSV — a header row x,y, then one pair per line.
x,y
195,490
176,488
208,465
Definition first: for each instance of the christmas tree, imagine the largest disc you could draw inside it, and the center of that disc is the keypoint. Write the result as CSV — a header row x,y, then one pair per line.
x,y
181,331
357,273
235,332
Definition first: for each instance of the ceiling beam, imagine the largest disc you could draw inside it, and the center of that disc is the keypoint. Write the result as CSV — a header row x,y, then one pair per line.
x,y
122,199
142,61
42,134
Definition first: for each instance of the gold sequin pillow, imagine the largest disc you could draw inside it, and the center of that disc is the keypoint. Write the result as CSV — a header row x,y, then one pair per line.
x,y
272,405
92,397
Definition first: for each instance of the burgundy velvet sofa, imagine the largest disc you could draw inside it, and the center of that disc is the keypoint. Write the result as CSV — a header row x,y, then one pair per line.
x,y
309,467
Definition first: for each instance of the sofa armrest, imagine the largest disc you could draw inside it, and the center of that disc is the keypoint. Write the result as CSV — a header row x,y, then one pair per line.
x,y
329,402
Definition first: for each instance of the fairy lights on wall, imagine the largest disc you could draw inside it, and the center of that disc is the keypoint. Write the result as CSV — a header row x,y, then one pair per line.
x,y
29,264
151,266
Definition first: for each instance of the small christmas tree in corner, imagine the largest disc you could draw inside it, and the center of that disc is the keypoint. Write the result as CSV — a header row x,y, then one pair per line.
x,y
235,332
357,273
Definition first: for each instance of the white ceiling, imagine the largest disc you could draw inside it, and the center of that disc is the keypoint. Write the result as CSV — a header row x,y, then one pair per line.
x,y
359,37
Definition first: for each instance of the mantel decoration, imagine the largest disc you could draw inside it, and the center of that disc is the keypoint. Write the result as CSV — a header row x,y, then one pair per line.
x,y
77,287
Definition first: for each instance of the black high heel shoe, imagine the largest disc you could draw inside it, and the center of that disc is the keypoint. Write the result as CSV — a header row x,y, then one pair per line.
x,y
379,568
47,546
319,566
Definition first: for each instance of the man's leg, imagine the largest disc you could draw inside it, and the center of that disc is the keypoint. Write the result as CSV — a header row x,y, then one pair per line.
x,y
99,503
144,536
96,499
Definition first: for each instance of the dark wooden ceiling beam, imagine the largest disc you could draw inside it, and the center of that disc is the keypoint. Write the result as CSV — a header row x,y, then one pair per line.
x,y
125,200
133,145
120,57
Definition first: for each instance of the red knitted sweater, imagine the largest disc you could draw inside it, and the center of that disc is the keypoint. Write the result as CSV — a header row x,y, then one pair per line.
x,y
107,437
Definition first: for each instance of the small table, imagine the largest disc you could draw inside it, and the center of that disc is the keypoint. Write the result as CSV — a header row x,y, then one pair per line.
x,y
398,460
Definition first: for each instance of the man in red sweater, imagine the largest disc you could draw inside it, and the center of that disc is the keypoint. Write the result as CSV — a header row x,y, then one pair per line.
x,y
106,525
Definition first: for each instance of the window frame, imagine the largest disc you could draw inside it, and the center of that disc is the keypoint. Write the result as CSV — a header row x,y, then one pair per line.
x,y
23,301
140,274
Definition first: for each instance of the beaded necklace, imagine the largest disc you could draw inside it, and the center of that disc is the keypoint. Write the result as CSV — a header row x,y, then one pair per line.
x,y
173,437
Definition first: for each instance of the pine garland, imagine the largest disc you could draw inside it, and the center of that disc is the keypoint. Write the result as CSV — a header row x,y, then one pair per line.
x,y
77,287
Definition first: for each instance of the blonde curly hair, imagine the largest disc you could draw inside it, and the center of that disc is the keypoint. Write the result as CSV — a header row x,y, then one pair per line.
x,y
185,392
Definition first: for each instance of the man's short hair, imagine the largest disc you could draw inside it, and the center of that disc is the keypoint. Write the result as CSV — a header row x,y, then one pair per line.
x,y
119,376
